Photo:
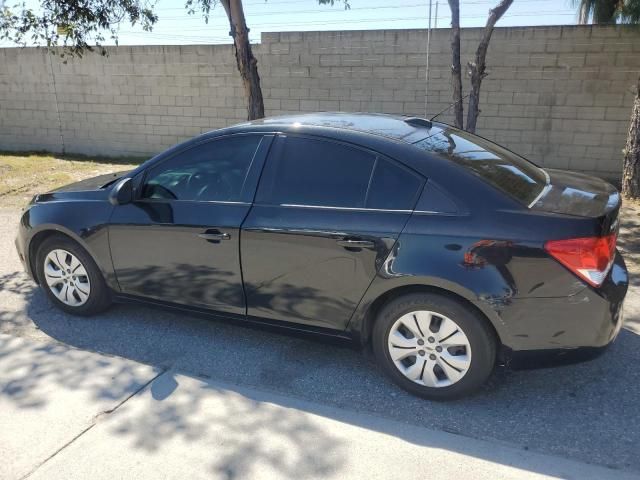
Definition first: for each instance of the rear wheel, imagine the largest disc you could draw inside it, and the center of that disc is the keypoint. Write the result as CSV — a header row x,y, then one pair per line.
x,y
70,277
434,346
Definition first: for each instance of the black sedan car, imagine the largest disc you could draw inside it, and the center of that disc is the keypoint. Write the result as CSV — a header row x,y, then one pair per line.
x,y
444,252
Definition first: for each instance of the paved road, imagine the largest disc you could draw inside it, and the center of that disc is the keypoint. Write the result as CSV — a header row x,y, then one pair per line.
x,y
588,412
51,394
115,418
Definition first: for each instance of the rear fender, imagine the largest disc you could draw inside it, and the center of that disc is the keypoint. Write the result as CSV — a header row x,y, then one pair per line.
x,y
468,257
383,290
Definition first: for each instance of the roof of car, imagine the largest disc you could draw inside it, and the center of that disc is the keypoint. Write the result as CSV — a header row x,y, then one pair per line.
x,y
398,127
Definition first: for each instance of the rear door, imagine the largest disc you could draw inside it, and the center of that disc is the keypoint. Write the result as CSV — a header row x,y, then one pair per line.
x,y
179,241
325,218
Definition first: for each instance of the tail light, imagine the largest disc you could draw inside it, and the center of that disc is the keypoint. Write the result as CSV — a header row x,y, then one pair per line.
x,y
590,258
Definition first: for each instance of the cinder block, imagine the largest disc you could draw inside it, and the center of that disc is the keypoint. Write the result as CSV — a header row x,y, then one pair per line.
x,y
618,113
291,105
309,105
167,100
588,139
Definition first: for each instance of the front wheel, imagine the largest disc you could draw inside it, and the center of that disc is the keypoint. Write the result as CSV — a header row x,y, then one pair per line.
x,y
70,277
434,346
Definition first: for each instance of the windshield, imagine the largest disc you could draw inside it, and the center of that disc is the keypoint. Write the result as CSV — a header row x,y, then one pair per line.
x,y
503,169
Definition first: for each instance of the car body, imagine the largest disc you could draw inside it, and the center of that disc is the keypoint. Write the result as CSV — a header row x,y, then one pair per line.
x,y
440,211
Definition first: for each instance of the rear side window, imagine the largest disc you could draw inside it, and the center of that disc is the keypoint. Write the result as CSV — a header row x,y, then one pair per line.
x,y
503,169
393,187
306,171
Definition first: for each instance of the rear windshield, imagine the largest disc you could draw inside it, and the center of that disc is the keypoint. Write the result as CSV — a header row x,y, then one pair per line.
x,y
503,169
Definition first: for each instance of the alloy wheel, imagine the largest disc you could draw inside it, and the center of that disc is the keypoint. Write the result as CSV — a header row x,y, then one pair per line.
x,y
66,277
429,348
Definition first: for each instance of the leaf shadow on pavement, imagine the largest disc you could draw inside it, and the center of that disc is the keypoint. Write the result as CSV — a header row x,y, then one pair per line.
x,y
22,380
256,436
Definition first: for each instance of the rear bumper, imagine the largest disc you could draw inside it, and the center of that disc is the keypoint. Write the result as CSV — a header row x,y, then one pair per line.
x,y
555,331
530,359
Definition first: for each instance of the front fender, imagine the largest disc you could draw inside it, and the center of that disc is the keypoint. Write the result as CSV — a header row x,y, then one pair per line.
x,y
87,225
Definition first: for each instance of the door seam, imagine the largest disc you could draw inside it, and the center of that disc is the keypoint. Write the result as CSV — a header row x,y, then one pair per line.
x,y
241,227
346,327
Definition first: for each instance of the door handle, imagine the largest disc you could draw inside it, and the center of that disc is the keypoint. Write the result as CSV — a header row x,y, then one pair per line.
x,y
214,236
356,243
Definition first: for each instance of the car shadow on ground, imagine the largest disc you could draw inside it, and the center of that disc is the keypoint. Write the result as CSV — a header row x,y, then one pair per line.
x,y
588,411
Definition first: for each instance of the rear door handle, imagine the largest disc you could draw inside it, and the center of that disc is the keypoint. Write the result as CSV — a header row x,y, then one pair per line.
x,y
356,243
214,236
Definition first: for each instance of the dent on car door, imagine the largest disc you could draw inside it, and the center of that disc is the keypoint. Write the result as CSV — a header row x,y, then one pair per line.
x,y
326,216
179,240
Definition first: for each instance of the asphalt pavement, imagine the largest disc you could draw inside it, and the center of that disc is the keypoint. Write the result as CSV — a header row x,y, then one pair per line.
x,y
587,413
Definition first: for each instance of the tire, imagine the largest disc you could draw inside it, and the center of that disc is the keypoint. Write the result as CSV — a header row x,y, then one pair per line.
x,y
435,317
91,295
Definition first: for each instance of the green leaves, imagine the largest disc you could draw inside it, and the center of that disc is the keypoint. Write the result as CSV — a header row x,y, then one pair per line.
x,y
75,25
79,26
608,11
333,2
630,12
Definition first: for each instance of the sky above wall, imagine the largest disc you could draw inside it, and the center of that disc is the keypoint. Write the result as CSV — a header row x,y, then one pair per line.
x,y
176,26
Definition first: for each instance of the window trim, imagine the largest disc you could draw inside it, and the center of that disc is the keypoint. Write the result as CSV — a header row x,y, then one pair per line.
x,y
258,156
353,209
282,137
169,200
544,191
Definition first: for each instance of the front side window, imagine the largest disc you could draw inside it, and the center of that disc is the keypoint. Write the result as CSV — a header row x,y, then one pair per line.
x,y
311,172
211,171
498,166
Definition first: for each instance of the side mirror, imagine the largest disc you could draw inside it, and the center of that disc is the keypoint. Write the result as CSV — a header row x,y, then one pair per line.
x,y
121,192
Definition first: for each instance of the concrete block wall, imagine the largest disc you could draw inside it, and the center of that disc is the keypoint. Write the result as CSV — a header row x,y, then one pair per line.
x,y
135,101
560,96
28,107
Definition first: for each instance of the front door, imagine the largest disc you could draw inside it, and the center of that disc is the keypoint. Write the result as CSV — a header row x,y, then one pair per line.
x,y
179,240
325,218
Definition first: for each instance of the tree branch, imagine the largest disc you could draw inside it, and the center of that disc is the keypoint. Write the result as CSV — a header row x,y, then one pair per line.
x,y
477,68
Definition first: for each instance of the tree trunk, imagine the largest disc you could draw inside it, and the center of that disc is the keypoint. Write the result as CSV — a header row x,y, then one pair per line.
x,y
456,71
247,63
477,67
631,166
